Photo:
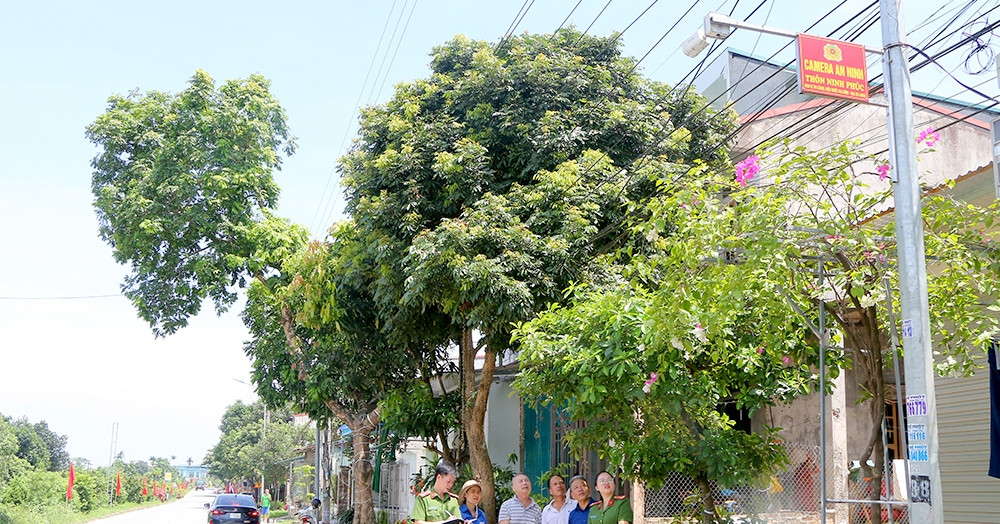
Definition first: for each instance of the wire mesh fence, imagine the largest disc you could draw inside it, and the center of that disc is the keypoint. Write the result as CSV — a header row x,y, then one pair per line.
x,y
789,497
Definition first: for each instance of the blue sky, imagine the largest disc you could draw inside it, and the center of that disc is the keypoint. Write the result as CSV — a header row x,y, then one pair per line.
x,y
82,364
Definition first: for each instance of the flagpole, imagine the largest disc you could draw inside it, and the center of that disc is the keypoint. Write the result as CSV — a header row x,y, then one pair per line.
x,y
111,462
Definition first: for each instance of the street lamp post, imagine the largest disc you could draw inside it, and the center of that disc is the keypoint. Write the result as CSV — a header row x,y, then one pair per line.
x,y
263,441
923,472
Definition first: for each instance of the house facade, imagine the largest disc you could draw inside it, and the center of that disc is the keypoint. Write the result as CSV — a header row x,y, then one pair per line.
x,y
764,96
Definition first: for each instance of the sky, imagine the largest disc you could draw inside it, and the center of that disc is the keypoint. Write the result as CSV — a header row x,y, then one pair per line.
x,y
72,351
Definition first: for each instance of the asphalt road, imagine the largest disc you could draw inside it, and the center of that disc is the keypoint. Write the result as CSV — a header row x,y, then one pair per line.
x,y
188,510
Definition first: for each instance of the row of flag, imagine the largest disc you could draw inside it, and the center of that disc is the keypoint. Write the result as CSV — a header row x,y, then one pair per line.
x,y
118,484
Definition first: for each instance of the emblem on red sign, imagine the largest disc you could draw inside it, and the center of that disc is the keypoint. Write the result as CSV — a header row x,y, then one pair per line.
x,y
832,68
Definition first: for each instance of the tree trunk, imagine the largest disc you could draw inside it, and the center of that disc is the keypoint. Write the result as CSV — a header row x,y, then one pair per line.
x,y
707,500
362,424
474,400
362,427
638,502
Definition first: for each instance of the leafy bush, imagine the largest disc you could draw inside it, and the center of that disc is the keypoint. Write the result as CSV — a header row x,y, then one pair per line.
x,y
34,488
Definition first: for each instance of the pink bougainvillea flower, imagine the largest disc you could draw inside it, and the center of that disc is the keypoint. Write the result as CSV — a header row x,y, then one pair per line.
x,y
747,169
883,171
929,137
760,350
649,383
785,359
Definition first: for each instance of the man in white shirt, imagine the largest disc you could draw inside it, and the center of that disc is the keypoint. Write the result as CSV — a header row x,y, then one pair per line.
x,y
557,511
521,508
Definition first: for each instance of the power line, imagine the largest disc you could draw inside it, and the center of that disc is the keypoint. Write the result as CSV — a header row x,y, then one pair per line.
x,y
398,44
385,55
592,22
843,113
928,59
325,202
521,13
571,11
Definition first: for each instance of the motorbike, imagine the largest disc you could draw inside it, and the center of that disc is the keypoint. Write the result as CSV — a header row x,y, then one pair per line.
x,y
308,515
305,516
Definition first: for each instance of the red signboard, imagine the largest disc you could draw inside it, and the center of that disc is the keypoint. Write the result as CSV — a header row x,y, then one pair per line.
x,y
832,68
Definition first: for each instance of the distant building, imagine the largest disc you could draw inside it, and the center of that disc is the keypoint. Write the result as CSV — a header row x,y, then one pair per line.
x,y
192,472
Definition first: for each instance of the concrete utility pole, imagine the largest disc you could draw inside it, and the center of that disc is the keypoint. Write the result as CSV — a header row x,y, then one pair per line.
x,y
921,406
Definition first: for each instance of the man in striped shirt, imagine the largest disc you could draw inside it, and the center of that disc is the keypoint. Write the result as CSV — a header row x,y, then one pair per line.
x,y
521,508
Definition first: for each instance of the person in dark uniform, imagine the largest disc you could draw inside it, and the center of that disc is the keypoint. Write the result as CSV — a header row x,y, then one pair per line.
x,y
438,505
610,508
579,491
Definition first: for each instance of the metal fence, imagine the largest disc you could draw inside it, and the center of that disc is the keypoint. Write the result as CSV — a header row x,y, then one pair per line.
x,y
790,497
393,495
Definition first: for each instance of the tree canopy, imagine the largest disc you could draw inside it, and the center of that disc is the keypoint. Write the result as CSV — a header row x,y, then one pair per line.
x,y
183,188
486,188
246,449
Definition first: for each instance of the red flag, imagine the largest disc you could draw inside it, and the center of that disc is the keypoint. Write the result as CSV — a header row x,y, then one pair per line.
x,y
69,486
118,485
144,490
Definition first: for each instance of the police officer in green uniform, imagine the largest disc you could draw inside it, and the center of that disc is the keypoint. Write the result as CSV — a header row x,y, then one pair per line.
x,y
440,504
610,508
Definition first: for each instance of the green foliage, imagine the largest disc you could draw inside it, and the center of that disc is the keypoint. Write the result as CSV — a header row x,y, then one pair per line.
x,y
304,483
11,465
415,412
90,490
183,189
55,445
245,449
35,488
721,303
502,478
340,353
485,184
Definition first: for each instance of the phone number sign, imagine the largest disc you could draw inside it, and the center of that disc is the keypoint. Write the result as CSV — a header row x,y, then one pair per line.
x,y
832,68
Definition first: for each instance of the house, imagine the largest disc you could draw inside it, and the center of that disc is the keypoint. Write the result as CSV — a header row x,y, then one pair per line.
x,y
766,99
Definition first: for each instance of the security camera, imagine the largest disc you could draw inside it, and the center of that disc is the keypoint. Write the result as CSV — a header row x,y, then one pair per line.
x,y
695,44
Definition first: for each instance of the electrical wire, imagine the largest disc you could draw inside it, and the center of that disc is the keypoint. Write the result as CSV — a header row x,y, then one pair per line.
x,y
571,11
387,69
594,21
643,156
350,125
385,55
398,44
926,42
514,23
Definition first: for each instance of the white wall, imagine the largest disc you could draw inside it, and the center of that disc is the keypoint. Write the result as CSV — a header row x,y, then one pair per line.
x,y
503,424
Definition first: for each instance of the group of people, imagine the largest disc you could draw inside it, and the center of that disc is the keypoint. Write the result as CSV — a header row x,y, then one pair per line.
x,y
577,506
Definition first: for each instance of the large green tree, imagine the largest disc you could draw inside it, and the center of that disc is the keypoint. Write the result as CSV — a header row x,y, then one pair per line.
x,y
183,188
184,191
317,341
487,187
55,444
